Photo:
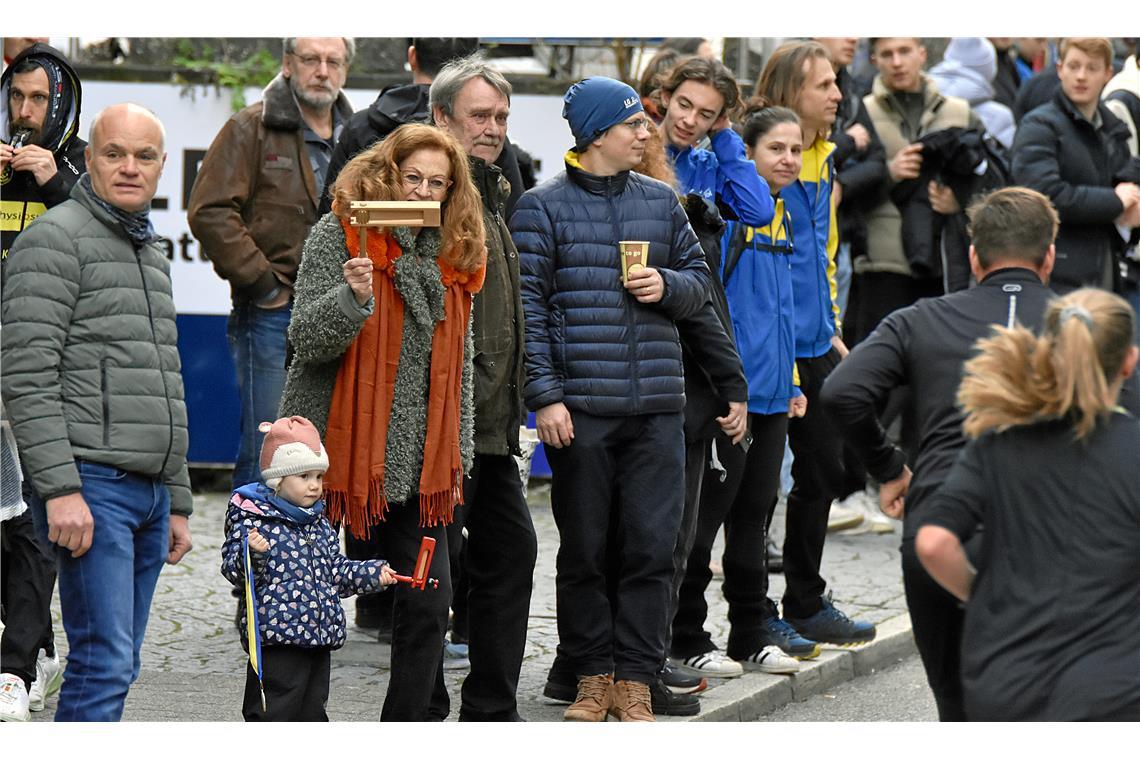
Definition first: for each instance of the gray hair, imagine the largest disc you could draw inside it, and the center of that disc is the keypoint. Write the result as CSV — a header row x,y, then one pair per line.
x,y
134,107
290,45
454,77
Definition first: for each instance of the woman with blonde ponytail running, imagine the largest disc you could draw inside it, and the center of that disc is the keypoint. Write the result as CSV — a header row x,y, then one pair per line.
x,y
1053,581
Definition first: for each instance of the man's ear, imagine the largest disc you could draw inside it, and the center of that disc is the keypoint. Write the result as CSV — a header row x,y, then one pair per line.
x,y
1050,259
1130,359
975,264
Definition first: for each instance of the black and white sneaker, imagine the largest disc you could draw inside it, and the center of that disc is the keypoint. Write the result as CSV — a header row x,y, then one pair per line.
x,y
714,664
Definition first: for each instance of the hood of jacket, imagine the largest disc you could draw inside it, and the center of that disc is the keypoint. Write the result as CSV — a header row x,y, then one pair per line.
x,y
593,183
1127,79
61,124
930,92
957,80
399,104
282,112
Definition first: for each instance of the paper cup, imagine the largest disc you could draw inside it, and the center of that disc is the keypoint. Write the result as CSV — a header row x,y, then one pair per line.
x,y
634,255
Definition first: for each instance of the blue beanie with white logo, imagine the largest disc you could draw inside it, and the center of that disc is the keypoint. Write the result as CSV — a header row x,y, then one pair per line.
x,y
595,104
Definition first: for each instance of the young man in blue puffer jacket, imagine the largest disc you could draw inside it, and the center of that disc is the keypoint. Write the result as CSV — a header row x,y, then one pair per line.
x,y
605,378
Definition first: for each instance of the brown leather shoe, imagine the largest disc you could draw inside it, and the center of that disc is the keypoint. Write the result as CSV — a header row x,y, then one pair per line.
x,y
632,702
595,697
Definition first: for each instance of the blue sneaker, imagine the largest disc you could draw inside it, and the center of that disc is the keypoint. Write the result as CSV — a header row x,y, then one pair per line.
x,y
455,656
830,626
778,633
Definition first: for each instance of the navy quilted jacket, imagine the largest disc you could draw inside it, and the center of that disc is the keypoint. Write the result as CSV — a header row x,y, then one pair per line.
x,y
299,581
589,343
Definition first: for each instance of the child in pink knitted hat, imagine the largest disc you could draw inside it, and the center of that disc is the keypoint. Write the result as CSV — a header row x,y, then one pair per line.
x,y
299,574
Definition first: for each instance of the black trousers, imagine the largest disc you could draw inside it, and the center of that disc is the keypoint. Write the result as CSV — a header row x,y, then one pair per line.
x,y
817,469
743,501
630,469
936,618
500,554
28,573
696,460
419,621
296,685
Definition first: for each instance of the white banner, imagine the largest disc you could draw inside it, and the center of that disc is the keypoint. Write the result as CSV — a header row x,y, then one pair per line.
x,y
193,117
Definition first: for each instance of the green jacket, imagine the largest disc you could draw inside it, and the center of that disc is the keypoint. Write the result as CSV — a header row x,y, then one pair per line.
x,y
90,353
498,321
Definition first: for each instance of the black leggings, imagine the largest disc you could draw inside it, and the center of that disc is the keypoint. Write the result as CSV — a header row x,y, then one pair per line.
x,y
743,502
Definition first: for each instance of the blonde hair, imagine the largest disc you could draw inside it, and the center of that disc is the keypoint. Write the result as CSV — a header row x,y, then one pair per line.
x,y
1093,47
1067,372
374,175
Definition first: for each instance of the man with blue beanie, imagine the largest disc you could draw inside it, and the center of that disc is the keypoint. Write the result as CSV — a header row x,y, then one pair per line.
x,y
605,379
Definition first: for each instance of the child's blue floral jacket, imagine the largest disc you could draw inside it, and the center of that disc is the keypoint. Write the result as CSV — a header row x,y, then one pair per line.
x,y
299,581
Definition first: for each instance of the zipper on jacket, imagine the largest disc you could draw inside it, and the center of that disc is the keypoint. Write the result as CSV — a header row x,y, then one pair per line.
x,y
105,390
158,356
631,323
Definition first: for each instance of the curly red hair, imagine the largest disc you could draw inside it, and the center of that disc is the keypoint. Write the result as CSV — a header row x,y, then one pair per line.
x,y
374,175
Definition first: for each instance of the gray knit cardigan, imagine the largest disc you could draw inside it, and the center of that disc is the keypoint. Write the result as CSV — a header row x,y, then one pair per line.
x,y
326,319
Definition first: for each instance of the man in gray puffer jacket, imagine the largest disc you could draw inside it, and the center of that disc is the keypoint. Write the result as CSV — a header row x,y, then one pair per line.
x,y
93,387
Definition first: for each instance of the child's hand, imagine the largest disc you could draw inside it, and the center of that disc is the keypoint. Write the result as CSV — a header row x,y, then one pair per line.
x,y
387,575
257,542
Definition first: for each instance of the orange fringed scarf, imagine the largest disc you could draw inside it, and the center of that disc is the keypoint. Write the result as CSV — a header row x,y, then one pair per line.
x,y
362,399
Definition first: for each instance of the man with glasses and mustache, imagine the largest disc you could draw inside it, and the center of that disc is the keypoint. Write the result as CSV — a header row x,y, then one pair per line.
x,y
472,102
252,205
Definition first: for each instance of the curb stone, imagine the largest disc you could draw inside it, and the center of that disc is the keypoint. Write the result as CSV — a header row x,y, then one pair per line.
x,y
756,694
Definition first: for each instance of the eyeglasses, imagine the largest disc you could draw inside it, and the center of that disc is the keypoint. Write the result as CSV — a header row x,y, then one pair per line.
x,y
313,61
434,184
636,125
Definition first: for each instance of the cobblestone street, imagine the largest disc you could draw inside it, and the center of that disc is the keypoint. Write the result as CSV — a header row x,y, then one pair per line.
x,y
193,664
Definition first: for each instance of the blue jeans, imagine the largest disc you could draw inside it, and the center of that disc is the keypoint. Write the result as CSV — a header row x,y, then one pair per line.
x,y
105,594
257,343
843,277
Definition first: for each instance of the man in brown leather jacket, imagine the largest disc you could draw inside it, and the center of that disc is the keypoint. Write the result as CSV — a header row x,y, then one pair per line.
x,y
252,205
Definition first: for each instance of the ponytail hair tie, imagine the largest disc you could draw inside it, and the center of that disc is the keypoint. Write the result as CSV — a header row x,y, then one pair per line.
x,y
1079,312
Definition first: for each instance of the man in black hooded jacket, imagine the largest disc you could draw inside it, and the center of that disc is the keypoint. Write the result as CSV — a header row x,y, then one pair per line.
x,y
39,112
41,157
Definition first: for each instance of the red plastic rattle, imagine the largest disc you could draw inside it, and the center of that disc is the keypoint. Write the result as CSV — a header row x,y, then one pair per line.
x,y
423,562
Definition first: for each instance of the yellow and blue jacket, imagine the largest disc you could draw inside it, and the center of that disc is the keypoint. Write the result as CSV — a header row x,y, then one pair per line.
x,y
756,269
816,239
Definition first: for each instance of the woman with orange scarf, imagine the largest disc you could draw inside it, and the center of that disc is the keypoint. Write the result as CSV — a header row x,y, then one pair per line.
x,y
382,353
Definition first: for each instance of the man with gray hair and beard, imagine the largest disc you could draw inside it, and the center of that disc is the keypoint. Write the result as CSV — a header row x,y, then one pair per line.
x,y
252,205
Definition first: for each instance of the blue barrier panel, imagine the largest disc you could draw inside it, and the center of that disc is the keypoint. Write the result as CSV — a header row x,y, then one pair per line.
x,y
539,467
211,389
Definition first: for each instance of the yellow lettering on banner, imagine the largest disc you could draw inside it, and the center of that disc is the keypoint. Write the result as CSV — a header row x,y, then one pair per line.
x,y
11,216
16,215
33,212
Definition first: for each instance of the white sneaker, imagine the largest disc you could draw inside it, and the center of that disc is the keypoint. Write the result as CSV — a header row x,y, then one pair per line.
x,y
13,698
771,659
874,521
714,664
842,516
49,677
